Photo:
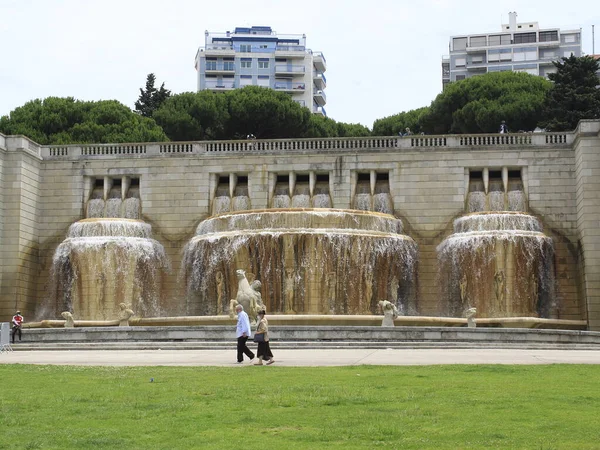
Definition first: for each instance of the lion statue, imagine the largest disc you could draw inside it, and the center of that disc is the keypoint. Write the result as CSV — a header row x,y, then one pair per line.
x,y
248,295
69,322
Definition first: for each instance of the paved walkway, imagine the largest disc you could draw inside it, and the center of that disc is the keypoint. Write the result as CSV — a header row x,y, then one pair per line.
x,y
333,357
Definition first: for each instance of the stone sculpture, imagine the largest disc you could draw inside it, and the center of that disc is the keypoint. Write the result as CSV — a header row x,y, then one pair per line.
x,y
124,315
390,312
463,289
69,322
470,314
289,291
499,280
247,295
219,279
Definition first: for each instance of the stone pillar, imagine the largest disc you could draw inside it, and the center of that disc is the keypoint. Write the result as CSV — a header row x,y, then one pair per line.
x,y
587,173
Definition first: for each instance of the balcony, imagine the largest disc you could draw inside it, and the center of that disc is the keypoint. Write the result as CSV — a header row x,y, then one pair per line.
x,y
222,85
290,51
287,70
301,103
220,69
289,86
320,110
320,80
319,61
320,97
218,50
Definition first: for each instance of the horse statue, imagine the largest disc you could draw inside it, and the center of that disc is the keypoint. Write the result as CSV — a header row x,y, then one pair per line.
x,y
248,296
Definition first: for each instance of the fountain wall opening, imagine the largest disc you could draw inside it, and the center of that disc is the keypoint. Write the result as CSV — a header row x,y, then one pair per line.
x,y
309,261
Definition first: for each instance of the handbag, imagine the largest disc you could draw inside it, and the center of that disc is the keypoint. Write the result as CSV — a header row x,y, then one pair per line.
x,y
260,337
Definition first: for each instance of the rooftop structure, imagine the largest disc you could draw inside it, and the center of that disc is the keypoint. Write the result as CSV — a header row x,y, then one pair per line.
x,y
517,47
258,56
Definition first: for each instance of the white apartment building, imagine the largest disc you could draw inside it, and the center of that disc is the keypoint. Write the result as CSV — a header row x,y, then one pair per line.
x,y
517,47
259,56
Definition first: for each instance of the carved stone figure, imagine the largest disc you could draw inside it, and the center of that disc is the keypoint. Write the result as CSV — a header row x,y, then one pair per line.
x,y
247,296
470,314
499,280
463,289
69,322
220,286
534,294
331,288
289,292
124,315
390,312
368,294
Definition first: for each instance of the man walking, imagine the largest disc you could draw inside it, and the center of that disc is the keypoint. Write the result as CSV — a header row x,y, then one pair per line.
x,y
242,332
17,323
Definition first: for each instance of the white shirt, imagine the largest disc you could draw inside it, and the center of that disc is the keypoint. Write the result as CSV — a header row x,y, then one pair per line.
x,y
243,325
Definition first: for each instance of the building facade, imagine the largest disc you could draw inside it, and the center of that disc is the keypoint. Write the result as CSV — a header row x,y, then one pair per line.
x,y
260,57
428,179
517,47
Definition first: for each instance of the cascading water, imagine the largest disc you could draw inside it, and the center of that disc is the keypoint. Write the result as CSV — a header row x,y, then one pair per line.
x,y
105,262
309,261
498,262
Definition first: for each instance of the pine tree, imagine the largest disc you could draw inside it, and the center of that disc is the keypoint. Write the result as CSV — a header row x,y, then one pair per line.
x,y
151,98
574,96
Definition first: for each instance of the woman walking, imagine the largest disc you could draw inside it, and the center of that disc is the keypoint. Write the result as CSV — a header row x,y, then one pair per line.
x,y
261,336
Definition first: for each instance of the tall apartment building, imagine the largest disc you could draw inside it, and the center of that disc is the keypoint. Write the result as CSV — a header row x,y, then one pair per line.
x,y
517,47
258,56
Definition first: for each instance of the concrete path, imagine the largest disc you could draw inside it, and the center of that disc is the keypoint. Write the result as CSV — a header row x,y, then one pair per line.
x,y
289,358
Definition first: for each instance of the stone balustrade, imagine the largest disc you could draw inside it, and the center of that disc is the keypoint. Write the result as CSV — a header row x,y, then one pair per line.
x,y
321,145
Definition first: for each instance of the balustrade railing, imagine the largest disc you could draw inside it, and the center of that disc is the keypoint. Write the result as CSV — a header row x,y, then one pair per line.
x,y
406,143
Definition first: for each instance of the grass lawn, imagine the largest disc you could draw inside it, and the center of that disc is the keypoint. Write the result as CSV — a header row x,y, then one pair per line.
x,y
436,407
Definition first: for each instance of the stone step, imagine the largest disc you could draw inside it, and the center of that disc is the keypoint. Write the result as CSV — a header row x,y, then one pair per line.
x,y
225,345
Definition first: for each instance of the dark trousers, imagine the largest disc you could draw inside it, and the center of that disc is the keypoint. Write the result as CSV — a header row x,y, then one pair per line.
x,y
16,330
242,349
264,350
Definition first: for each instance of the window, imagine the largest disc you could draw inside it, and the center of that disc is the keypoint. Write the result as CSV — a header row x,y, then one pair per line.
x,y
476,59
525,54
246,63
263,46
228,65
211,65
524,38
460,77
263,81
478,41
460,62
570,38
245,48
459,43
499,39
548,36
245,80
263,63
502,54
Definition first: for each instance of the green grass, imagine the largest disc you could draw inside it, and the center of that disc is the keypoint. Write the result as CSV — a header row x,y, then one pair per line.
x,y
436,407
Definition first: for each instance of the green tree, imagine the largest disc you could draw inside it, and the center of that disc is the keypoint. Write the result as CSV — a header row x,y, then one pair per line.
x,y
320,126
266,114
151,98
192,116
479,104
393,125
575,94
56,120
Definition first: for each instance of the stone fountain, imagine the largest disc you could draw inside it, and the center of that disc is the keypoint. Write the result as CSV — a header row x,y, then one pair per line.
x,y
108,259
498,260
309,261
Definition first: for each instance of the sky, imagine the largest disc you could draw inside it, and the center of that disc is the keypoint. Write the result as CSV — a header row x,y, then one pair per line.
x,y
383,56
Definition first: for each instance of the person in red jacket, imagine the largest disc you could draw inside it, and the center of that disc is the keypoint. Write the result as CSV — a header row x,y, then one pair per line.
x,y
17,324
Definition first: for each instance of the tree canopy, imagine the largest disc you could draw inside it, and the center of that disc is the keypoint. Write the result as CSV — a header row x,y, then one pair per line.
x,y
151,98
57,120
479,104
392,125
575,94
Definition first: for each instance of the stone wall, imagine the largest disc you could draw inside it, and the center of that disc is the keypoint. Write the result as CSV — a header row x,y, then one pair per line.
x,y
427,177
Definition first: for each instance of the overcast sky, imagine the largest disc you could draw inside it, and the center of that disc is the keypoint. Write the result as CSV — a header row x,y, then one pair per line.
x,y
383,56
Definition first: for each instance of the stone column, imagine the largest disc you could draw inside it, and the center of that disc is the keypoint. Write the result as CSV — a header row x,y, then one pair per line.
x,y
587,173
